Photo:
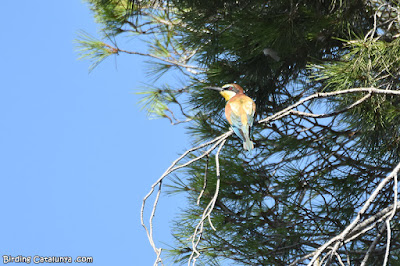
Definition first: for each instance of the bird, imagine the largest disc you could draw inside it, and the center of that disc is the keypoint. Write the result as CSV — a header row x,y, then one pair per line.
x,y
239,111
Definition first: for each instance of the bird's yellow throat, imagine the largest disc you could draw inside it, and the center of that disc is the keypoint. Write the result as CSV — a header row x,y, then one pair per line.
x,y
227,94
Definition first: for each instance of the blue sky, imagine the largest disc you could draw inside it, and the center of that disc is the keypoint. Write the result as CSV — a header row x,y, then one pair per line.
x,y
77,154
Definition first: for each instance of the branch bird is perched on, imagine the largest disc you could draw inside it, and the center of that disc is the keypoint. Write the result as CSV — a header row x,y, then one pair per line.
x,y
239,111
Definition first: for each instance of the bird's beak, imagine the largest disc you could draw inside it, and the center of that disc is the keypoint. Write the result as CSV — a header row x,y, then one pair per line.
x,y
214,88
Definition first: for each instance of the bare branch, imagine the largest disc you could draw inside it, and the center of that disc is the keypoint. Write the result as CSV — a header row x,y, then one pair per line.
x,y
204,184
198,231
217,141
338,240
298,113
389,235
288,109
361,228
372,246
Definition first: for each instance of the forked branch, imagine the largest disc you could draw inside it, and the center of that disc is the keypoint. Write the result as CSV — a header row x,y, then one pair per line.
x,y
149,229
198,231
337,241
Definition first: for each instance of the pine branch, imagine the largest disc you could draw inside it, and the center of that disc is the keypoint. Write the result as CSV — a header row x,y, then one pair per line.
x,y
217,141
289,109
93,49
339,239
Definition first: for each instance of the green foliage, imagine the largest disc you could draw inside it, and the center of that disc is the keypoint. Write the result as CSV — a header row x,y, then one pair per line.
x,y
156,101
93,49
368,63
307,177
112,14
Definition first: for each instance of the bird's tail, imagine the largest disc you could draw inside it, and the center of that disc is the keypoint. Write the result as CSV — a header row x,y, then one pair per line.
x,y
243,133
248,144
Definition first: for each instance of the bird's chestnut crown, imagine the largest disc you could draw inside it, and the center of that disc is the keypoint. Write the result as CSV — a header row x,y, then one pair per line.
x,y
230,90
231,87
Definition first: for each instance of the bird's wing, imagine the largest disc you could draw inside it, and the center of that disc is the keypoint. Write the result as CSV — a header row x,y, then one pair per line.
x,y
237,125
240,112
249,107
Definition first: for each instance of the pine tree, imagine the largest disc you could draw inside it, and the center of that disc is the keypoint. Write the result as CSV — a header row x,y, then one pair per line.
x,y
321,184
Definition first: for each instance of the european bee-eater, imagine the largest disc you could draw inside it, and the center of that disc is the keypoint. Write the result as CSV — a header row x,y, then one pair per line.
x,y
239,111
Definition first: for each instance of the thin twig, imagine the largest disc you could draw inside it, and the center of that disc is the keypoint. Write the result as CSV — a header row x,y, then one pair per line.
x,y
389,235
337,240
171,169
204,183
173,62
198,231
333,113
373,245
288,109
339,259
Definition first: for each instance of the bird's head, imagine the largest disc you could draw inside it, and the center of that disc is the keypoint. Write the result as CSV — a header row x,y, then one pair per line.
x,y
228,91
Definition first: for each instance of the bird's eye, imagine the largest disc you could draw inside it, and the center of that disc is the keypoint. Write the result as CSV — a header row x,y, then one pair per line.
x,y
230,88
